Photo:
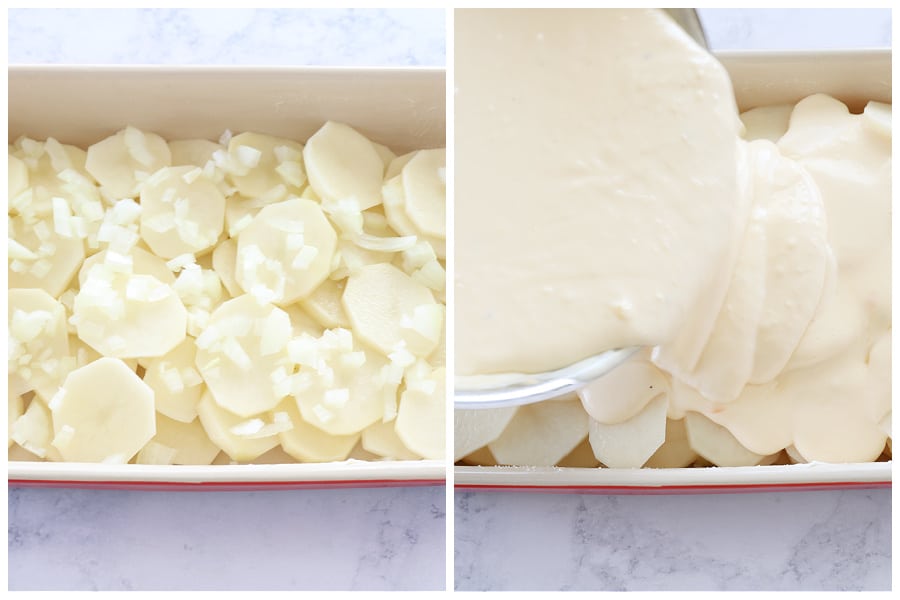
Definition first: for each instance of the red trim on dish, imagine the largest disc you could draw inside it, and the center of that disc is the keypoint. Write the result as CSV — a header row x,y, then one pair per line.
x,y
678,489
179,486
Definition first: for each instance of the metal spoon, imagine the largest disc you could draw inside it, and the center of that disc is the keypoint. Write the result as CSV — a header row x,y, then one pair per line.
x,y
516,389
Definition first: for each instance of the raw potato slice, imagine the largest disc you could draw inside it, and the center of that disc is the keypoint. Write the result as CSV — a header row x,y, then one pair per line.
x,y
390,310
192,152
308,443
48,261
421,417
397,164
360,453
218,423
625,391
324,305
128,316
258,155
343,397
628,445
275,456
424,185
795,456
176,384
302,323
155,453
716,444
33,431
395,210
38,342
481,457
142,263
286,252
120,161
189,441
224,259
877,117
103,413
541,434
238,329
676,451
342,163
183,212
386,154
474,429
19,454
582,457
239,213
381,438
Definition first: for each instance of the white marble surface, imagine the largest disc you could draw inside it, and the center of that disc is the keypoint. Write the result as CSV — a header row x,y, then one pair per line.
x,y
831,540
343,539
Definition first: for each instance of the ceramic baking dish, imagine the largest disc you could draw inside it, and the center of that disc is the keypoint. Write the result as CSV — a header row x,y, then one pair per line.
x,y
403,108
759,78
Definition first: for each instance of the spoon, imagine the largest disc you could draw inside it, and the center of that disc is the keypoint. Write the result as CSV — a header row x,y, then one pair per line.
x,y
516,389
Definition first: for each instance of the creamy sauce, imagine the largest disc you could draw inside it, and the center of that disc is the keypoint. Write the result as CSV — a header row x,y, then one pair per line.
x,y
590,217
627,209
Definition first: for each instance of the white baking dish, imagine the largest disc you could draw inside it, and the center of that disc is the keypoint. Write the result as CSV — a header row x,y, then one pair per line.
x,y
403,108
759,78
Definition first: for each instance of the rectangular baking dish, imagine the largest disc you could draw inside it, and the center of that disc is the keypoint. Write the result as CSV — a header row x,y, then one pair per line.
x,y
403,108
759,78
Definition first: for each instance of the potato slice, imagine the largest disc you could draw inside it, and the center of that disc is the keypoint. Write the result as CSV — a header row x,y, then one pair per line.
x,y
33,431
474,429
176,384
142,263
190,442
218,424
386,154
541,434
38,342
424,186
16,405
716,444
302,322
877,117
394,198
343,390
183,212
625,391
390,310
421,417
342,163
324,305
120,161
629,444
307,443
19,454
40,258
241,352
103,413
676,451
258,158
381,438
396,165
128,316
582,457
286,252
224,259
196,152
481,458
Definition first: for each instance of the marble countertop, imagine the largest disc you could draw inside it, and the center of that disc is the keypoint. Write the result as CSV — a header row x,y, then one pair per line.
x,y
362,539
394,538
824,540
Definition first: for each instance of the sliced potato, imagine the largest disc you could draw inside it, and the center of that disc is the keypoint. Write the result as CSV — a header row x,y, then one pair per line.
x,y
541,434
142,263
196,152
103,413
474,429
260,156
625,391
716,444
394,198
424,186
286,251
120,161
307,443
48,260
582,457
381,438
176,384
676,451
421,416
218,424
389,310
230,356
190,442
324,305
224,259
38,342
183,212
629,444
342,163
481,458
16,405
33,431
